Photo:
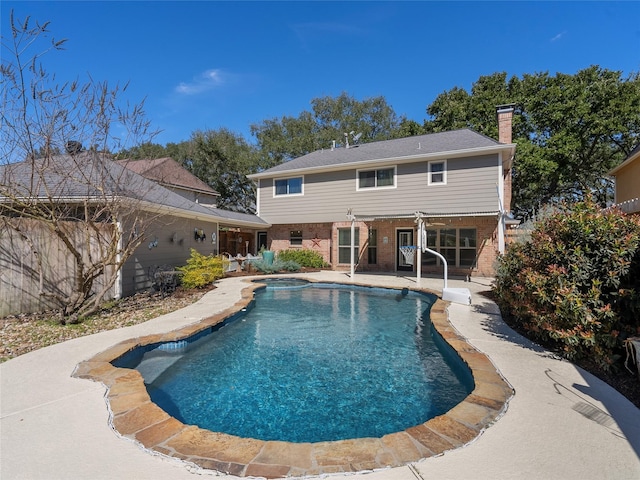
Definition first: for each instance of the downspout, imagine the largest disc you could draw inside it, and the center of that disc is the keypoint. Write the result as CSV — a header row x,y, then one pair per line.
x,y
501,215
419,243
117,285
353,240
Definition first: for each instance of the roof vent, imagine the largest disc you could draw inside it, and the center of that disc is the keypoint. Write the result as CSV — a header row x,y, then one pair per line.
x,y
73,147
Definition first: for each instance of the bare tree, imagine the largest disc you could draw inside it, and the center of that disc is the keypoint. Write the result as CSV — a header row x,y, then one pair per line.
x,y
84,204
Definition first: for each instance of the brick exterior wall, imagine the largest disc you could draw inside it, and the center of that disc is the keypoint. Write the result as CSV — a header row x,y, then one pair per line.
x,y
315,236
323,238
505,135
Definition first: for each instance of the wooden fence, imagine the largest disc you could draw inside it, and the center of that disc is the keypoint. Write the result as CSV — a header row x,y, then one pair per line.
x,y
22,280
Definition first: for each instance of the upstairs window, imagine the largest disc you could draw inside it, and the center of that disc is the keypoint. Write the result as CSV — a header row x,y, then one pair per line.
x,y
438,173
288,186
379,178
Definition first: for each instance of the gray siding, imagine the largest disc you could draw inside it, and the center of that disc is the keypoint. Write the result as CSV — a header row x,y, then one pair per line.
x,y
137,271
471,187
198,197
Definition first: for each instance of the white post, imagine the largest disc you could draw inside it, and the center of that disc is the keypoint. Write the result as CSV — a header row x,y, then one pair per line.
x,y
353,240
444,261
117,293
501,215
419,255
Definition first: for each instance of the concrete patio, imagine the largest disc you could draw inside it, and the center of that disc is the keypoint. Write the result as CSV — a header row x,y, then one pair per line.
x,y
562,423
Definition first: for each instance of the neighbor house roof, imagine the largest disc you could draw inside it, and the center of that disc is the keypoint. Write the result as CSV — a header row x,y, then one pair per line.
x,y
451,143
65,178
238,218
633,156
166,171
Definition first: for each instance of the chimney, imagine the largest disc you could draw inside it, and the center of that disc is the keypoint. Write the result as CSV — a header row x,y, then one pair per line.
x,y
505,122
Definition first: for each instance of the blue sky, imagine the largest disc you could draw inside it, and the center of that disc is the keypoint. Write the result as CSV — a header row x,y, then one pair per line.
x,y
208,64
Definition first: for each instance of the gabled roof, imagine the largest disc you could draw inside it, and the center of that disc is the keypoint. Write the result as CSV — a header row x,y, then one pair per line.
x,y
94,176
452,143
633,156
166,171
89,175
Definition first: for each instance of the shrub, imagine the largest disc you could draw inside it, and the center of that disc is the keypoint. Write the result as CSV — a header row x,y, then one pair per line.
x,y
303,257
575,284
278,265
202,270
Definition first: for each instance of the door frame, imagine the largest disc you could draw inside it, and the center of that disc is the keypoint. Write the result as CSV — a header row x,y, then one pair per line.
x,y
403,232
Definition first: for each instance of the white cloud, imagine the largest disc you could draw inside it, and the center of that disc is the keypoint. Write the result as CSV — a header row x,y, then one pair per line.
x,y
558,37
206,81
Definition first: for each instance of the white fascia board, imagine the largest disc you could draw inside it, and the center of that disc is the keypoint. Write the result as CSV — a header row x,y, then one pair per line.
x,y
511,147
624,164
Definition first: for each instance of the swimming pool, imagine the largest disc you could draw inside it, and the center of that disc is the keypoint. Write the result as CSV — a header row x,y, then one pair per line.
x,y
310,363
134,417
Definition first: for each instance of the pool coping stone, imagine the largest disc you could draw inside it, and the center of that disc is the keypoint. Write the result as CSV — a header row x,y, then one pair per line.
x,y
132,414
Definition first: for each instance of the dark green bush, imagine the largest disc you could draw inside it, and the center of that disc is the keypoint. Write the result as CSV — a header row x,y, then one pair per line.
x,y
303,257
202,270
575,284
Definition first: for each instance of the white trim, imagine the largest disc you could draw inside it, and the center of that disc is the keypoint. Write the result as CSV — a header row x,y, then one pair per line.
x,y
458,246
287,195
376,187
635,155
501,218
335,167
430,173
258,187
396,249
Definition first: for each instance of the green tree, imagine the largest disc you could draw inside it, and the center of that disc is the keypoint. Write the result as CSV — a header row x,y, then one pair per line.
x,y
331,118
149,150
79,203
570,129
222,159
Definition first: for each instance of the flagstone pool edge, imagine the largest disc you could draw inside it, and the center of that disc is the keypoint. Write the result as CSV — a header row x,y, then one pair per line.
x,y
134,416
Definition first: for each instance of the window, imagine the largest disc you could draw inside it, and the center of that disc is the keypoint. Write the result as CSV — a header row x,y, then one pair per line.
x,y
288,186
432,238
457,245
382,177
295,237
372,249
437,173
467,246
344,244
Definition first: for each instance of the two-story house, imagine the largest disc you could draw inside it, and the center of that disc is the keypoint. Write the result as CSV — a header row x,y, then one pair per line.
x,y
627,183
458,181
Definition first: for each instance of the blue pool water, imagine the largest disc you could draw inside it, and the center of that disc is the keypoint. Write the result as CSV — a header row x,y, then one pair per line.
x,y
311,363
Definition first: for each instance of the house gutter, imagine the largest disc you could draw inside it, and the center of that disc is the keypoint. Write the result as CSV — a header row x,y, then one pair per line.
x,y
117,294
503,213
155,208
